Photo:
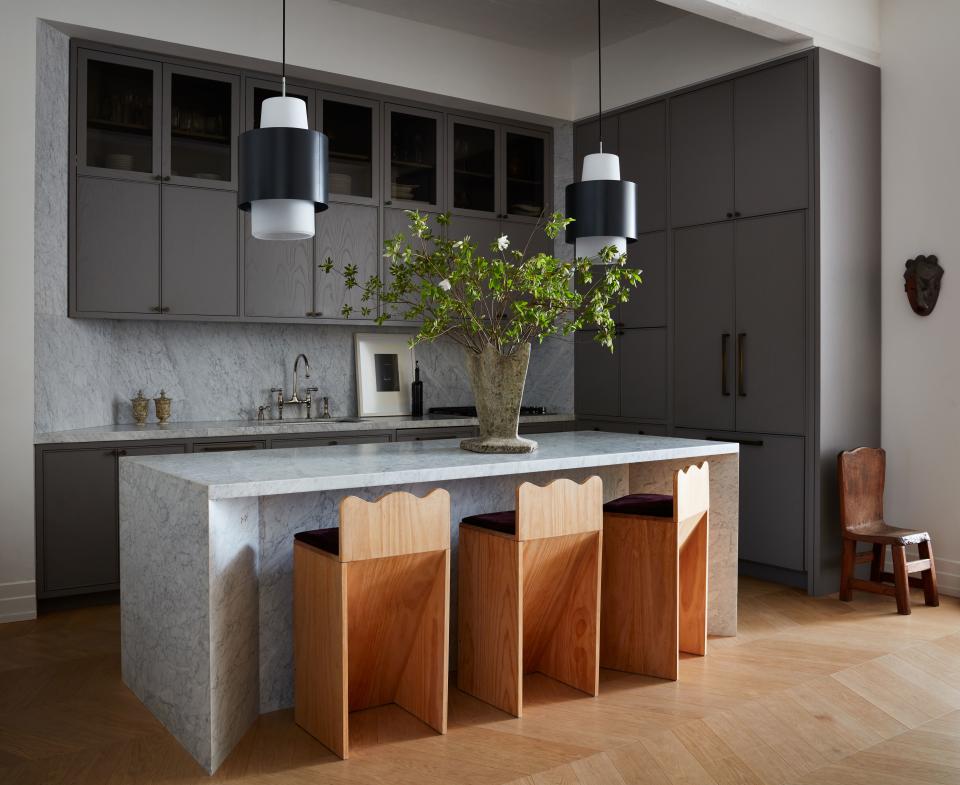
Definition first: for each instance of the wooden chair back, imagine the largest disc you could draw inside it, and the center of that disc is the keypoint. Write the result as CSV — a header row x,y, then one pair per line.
x,y
861,475
691,491
562,507
394,525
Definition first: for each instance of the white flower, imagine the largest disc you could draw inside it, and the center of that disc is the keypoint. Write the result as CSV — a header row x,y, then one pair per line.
x,y
503,242
445,285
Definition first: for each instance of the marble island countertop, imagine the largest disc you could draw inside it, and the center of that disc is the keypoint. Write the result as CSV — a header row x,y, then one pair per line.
x,y
227,428
232,475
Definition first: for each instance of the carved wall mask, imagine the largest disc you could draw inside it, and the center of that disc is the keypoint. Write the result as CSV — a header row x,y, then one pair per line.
x,y
922,283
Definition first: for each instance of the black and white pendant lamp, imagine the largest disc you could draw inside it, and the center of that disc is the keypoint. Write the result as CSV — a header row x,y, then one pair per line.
x,y
283,167
604,206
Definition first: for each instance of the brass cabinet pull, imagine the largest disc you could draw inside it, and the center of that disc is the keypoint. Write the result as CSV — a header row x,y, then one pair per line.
x,y
741,350
724,342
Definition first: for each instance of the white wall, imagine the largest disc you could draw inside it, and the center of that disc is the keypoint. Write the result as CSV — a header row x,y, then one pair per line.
x,y
681,53
322,35
921,361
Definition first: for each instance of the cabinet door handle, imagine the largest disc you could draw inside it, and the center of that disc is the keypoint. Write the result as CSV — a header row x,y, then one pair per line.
x,y
121,453
724,356
744,442
164,309
388,202
729,215
741,360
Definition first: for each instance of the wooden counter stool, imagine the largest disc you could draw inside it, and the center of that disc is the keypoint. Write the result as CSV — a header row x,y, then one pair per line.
x,y
654,588
529,588
371,614
862,474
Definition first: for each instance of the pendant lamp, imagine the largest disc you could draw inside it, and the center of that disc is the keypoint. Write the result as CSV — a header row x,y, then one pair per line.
x,y
283,167
604,206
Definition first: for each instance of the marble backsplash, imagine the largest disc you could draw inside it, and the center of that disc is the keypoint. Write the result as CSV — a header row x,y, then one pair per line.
x,y
87,370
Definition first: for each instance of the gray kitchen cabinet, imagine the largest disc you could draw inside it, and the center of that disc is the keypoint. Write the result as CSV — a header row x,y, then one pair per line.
x,y
647,306
396,221
346,234
236,445
352,128
328,440
586,140
642,142
117,260
77,516
277,276
199,273
771,497
527,235
770,323
702,155
413,156
621,426
526,183
643,373
482,231
597,376
474,179
772,160
704,326
543,427
432,434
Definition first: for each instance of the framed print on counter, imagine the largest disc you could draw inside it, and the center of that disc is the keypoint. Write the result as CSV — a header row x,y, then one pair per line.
x,y
384,374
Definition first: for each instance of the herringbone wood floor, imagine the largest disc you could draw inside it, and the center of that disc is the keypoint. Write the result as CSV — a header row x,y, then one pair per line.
x,y
811,691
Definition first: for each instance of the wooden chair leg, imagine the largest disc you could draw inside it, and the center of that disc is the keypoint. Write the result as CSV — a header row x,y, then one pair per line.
x,y
931,595
876,566
901,579
847,565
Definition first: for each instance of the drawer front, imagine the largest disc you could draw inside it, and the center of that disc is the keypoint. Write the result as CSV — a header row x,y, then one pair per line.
x,y
639,428
229,446
432,434
328,440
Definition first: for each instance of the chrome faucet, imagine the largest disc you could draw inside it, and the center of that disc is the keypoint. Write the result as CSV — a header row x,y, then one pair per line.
x,y
296,377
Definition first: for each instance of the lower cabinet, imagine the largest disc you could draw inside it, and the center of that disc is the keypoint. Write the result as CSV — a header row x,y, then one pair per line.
x,y
227,446
620,426
772,511
430,434
329,440
543,427
77,517
630,382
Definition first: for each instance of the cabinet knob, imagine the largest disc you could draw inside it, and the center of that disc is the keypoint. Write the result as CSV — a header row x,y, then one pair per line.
x,y
736,213
729,215
388,201
121,453
166,178
157,177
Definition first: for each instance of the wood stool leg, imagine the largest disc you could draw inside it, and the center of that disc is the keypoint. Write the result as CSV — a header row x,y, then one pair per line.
x,y
876,566
693,590
489,651
931,596
901,578
847,565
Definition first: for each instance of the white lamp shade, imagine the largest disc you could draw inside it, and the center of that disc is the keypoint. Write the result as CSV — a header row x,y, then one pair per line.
x,y
599,166
282,219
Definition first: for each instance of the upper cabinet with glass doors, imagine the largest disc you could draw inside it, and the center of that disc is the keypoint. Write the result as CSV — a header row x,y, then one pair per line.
x,y
145,120
495,171
413,142
352,127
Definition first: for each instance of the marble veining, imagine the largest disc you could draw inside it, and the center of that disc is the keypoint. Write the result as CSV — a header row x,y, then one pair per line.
x,y
86,370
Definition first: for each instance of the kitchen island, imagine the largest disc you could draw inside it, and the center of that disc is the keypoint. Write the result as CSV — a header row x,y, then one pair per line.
x,y
206,551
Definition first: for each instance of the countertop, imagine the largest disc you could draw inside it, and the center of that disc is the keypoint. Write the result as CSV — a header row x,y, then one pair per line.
x,y
231,475
224,428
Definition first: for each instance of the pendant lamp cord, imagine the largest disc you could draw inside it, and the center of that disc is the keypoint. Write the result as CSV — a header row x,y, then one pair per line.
x,y
283,49
599,78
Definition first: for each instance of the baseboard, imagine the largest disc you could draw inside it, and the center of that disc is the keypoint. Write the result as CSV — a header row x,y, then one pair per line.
x,y
18,601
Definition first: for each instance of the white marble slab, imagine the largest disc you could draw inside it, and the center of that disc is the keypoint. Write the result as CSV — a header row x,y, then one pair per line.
x,y
292,427
231,475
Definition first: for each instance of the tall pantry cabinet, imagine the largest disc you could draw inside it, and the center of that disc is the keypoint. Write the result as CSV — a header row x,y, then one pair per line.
x,y
771,196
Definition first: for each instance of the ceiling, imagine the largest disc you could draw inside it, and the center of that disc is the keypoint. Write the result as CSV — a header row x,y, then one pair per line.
x,y
562,27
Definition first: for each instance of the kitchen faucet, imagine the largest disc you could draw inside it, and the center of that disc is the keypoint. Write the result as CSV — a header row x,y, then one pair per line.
x,y
295,397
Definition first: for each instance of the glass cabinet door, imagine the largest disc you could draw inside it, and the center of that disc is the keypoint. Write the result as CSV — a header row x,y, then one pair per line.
x,y
413,157
474,153
200,127
119,107
525,179
352,129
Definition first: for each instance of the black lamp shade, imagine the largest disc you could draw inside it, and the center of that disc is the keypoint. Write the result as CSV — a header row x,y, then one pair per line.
x,y
602,208
283,163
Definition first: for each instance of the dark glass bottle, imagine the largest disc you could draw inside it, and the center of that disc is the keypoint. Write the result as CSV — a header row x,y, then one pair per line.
x,y
417,408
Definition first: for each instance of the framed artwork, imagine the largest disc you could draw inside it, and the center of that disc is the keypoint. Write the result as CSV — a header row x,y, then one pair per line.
x,y
384,373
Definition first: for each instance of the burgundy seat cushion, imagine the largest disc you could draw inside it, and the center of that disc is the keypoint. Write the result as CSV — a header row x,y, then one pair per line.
x,y
503,522
649,505
325,539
